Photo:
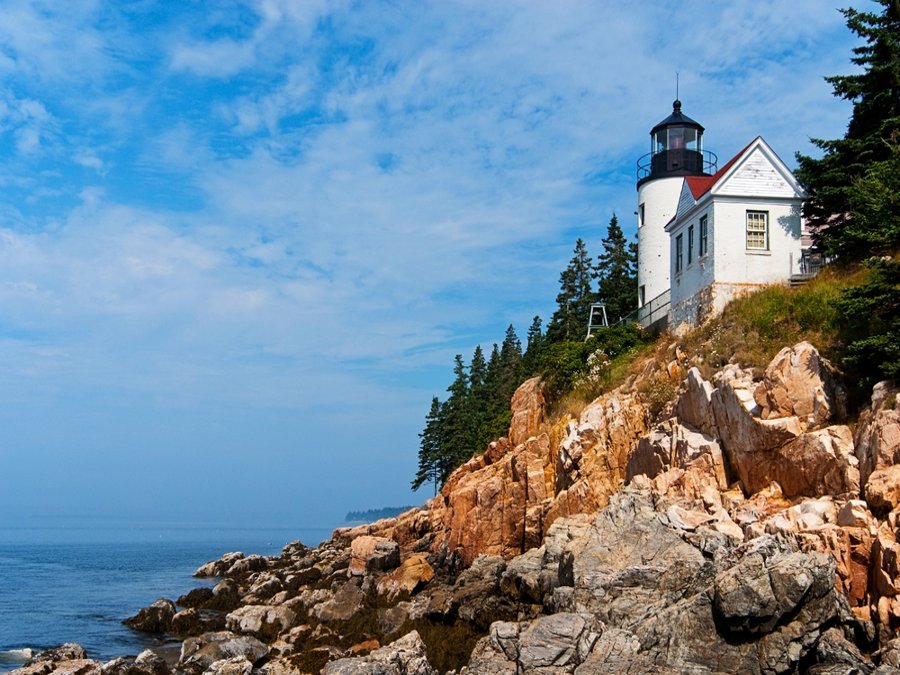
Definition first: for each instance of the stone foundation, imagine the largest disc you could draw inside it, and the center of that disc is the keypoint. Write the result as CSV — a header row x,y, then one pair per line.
x,y
706,303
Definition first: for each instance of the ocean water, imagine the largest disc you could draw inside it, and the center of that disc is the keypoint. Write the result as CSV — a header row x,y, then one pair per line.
x,y
77,583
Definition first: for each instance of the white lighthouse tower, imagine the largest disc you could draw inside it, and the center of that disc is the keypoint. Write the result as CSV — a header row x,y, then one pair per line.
x,y
676,151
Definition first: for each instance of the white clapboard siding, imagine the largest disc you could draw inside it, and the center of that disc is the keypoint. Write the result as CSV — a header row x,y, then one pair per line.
x,y
756,176
685,201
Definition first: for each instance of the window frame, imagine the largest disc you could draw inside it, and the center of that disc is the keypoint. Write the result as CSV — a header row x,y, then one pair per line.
x,y
679,251
756,231
704,236
690,251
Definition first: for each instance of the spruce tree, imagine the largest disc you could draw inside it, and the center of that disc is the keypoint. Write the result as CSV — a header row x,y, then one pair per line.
x,y
430,458
492,374
531,359
478,400
871,138
871,322
456,436
875,203
504,374
617,273
510,365
477,373
569,321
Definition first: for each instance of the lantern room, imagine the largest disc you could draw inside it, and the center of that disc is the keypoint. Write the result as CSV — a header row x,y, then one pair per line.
x,y
676,149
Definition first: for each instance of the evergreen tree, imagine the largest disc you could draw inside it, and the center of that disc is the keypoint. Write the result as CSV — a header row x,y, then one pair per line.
x,y
504,374
492,384
875,203
430,458
873,130
617,273
534,349
492,375
510,365
456,428
871,322
477,373
478,400
569,321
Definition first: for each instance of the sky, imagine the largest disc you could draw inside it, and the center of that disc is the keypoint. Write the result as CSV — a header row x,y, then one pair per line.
x,y
241,242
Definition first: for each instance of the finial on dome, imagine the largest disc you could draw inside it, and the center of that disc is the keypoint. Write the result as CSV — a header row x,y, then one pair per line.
x,y
676,106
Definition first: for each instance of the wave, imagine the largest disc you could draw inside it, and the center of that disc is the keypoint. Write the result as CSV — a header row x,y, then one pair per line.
x,y
16,655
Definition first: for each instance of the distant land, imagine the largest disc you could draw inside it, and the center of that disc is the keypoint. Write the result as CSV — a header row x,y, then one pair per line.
x,y
375,514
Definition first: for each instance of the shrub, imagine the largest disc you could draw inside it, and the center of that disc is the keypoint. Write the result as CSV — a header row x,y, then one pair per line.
x,y
567,366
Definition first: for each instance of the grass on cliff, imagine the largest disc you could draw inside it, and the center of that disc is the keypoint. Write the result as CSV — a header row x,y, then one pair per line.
x,y
754,328
750,332
588,386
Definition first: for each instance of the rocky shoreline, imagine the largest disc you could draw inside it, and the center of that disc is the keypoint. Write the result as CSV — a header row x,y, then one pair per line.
x,y
743,526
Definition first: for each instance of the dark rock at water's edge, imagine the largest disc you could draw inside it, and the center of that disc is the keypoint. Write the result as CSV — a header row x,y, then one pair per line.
x,y
157,618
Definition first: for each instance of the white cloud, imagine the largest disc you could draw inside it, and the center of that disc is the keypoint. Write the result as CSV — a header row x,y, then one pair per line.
x,y
89,160
218,59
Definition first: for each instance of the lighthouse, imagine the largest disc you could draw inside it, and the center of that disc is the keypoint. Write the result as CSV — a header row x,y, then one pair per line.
x,y
676,151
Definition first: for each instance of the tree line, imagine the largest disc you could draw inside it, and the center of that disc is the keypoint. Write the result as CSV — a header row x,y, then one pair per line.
x,y
476,409
371,515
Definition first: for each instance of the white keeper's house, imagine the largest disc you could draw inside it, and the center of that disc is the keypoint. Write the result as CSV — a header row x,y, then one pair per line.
x,y
706,234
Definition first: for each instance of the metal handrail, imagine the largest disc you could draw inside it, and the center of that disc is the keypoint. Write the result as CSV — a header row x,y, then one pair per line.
x,y
709,161
651,311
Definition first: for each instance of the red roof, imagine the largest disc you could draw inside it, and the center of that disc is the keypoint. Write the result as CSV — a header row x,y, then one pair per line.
x,y
700,185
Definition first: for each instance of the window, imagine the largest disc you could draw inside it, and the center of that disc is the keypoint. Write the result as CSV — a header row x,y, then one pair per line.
x,y
704,235
758,230
641,215
643,295
660,144
679,247
690,138
690,244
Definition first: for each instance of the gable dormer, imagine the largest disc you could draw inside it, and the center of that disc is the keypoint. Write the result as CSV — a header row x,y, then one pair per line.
x,y
686,200
758,172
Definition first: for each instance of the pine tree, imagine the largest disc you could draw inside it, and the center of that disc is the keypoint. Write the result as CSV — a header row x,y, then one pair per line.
x,y
569,321
477,372
510,365
534,348
875,203
456,436
430,462
617,273
871,312
874,129
478,400
493,370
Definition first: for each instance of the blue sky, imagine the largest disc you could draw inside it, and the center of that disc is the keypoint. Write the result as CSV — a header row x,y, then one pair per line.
x,y
240,242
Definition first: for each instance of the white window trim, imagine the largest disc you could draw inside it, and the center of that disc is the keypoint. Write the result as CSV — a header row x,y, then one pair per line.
x,y
690,247
679,251
703,250
751,217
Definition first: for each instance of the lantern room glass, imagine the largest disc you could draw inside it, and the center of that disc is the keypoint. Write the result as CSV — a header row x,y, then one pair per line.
x,y
659,144
677,138
691,138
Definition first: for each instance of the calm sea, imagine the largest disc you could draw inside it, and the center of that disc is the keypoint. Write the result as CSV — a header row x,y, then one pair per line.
x,y
76,584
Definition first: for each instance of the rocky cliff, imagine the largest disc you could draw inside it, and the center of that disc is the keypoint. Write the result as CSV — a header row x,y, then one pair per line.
x,y
742,526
